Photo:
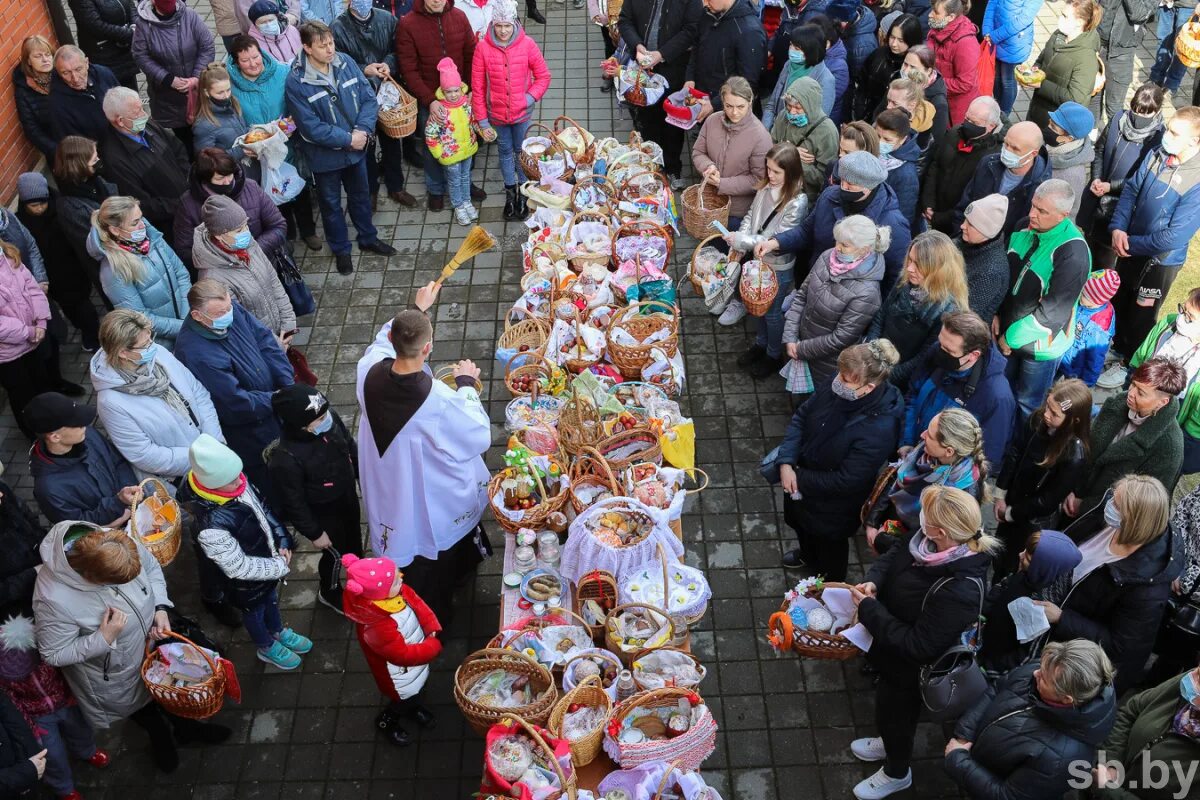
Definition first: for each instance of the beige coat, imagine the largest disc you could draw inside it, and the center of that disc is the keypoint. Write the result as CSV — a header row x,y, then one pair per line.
x,y
740,153
224,18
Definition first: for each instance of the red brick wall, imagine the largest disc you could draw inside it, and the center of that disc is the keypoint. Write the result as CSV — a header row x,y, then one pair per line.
x,y
18,19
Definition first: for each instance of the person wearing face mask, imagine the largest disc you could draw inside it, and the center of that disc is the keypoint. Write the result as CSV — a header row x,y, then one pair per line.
x,y
1069,61
900,153
274,33
830,453
314,469
1009,26
1068,138
1021,165
853,137
902,32
731,43
171,45
805,59
289,10
138,269
219,121
918,89
731,149
805,125
955,44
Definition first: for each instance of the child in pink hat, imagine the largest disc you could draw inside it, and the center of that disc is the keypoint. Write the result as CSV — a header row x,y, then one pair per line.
x,y
453,140
1095,323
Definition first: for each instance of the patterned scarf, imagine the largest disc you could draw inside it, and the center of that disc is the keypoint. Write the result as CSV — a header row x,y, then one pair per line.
x,y
241,255
141,248
215,495
152,380
1187,722
926,555
837,267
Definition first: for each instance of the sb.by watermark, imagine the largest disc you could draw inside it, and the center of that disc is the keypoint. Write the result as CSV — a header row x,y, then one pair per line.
x,y
1151,774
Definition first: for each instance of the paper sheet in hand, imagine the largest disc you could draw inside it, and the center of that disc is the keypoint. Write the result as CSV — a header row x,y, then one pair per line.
x,y
1030,619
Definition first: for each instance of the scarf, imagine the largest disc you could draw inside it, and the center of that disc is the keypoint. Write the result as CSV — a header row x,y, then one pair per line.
x,y
462,99
392,605
926,555
1060,150
1137,135
919,470
837,268
241,255
38,83
141,248
1187,722
215,495
153,381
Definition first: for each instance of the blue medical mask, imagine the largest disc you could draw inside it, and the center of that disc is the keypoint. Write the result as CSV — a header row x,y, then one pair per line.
x,y
796,57
270,28
361,8
845,258
886,148
799,120
242,240
138,234
1187,687
1010,159
147,355
1112,517
323,426
224,321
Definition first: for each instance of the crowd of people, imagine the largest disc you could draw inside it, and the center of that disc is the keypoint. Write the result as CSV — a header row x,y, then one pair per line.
x,y
954,282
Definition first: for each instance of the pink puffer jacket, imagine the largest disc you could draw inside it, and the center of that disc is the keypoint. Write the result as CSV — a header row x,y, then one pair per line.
x,y
23,310
507,79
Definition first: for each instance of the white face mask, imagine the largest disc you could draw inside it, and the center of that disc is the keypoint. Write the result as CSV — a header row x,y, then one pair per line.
x,y
1188,328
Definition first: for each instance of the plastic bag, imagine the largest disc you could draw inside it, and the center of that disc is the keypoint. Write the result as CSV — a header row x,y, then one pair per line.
x,y
282,184
678,445
663,291
388,95
270,151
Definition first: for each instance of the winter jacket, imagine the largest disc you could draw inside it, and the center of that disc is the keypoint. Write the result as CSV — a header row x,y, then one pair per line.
x,y
18,775
903,176
986,180
1160,209
1022,745
242,538
13,231
831,312
814,235
949,169
221,131
1072,163
254,285
1047,271
80,113
24,310
155,173
1124,21
1117,159
1094,329
764,220
860,38
1159,335
1142,734
423,39
452,139
283,47
876,76
75,204
819,136
160,294
1070,69
1034,492
507,78
33,110
740,154
773,105
372,43
240,369
910,632
225,20
956,58
105,679
310,470
1155,448
987,275
149,434
398,647
1009,24
325,10
910,321
678,31
265,222
983,390
68,278
730,44
180,46
105,32
936,96
80,485
836,447
20,535
326,116
261,99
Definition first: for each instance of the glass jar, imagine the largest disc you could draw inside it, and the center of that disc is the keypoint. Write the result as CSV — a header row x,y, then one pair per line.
x,y
524,559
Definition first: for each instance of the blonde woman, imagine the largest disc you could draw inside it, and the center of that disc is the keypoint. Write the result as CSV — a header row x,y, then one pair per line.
x,y
138,269
916,601
219,121
31,90
933,283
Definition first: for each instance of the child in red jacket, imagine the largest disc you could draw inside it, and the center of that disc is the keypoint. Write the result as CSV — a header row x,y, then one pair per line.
x,y
398,635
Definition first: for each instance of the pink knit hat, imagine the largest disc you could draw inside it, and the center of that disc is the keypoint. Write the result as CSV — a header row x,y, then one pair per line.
x,y
448,75
1100,286
369,577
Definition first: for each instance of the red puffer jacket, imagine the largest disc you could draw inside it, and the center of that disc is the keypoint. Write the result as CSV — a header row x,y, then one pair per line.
x,y
423,39
505,76
383,642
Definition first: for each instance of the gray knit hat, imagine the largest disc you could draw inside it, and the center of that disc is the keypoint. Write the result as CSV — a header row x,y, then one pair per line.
x,y
32,187
221,215
862,169
987,214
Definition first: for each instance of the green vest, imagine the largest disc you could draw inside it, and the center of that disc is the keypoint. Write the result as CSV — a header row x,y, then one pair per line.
x,y
1026,329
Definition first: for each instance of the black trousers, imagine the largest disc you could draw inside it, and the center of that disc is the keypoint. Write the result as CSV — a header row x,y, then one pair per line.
x,y
826,553
1118,74
1014,535
897,709
1144,285
28,376
82,314
389,165
298,214
342,520
435,579
184,135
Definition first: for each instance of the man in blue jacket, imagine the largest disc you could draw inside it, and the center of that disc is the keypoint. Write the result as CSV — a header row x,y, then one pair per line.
x,y
77,90
334,108
1020,167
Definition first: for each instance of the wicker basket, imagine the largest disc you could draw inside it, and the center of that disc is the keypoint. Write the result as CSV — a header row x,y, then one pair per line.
x,y
579,424
480,663
595,653
703,205
165,547
644,688
591,469
576,139
611,641
631,359
399,121
812,644
596,585
579,261
198,701
540,197
695,473
590,692
692,276
687,750
651,450
758,293
578,365
529,163
532,365
602,184
1187,42
530,333
567,782
533,518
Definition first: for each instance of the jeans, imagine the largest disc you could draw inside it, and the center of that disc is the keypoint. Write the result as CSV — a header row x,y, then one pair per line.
x,y
458,181
1006,86
770,325
390,163
1168,71
66,735
358,198
435,177
509,139
1030,381
263,621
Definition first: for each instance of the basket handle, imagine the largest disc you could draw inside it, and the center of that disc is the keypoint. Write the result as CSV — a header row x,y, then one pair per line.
x,y
692,472
700,192
541,362
598,457
662,784
569,791
662,556
212,665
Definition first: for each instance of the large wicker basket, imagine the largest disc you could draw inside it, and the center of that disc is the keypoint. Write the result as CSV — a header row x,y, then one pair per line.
x,y
526,365
480,663
584,259
758,293
813,644
600,586
1187,42
631,359
567,782
576,139
613,643
651,449
529,162
692,276
601,185
530,333
579,424
399,121
591,469
702,205
688,749
533,518
163,543
197,701
590,692
643,687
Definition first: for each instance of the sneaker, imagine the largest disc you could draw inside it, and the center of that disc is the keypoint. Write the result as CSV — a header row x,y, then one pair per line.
x,y
345,264
733,313
462,215
1113,377
474,212
869,749
280,656
293,641
752,355
379,247
881,785
100,759
792,560
331,598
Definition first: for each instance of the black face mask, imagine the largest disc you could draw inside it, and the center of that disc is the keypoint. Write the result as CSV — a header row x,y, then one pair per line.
x,y
1051,136
945,361
969,131
1140,122
219,188
853,202
226,103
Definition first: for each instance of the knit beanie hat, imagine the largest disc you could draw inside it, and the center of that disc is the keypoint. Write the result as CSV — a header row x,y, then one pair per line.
x,y
1101,285
1056,555
448,76
32,187
987,214
263,8
505,12
889,19
369,577
862,169
842,10
18,648
221,215
298,405
1077,120
213,464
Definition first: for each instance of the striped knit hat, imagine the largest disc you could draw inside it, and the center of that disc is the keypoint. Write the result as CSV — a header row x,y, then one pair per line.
x,y
1100,286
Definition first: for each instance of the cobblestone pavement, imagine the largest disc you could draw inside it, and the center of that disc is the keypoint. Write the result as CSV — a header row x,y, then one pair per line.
x,y
786,725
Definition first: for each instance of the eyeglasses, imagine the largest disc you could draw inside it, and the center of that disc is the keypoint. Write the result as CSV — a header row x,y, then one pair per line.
x,y
1183,312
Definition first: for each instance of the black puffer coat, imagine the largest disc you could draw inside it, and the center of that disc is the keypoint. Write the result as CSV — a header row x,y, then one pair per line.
x,y
105,29
308,470
20,536
1023,747
911,322
1034,492
949,170
75,203
678,30
18,776
732,43
33,110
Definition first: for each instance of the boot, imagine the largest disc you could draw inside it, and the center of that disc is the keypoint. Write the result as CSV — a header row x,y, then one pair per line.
x,y
522,206
389,725
531,10
510,202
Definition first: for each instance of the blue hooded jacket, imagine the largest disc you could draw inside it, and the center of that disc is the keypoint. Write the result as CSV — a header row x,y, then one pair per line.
x,y
1094,328
905,179
1009,24
1160,208
328,109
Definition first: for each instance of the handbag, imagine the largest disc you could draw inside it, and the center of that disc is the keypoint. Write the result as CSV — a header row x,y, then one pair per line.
x,y
193,103
297,290
300,369
954,681
884,481
1183,613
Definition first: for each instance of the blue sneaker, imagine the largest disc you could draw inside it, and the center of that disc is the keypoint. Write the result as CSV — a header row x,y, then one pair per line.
x,y
295,642
280,656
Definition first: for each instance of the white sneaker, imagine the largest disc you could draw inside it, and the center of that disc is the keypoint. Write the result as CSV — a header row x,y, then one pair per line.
x,y
869,749
677,183
881,785
733,313
1113,377
462,215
